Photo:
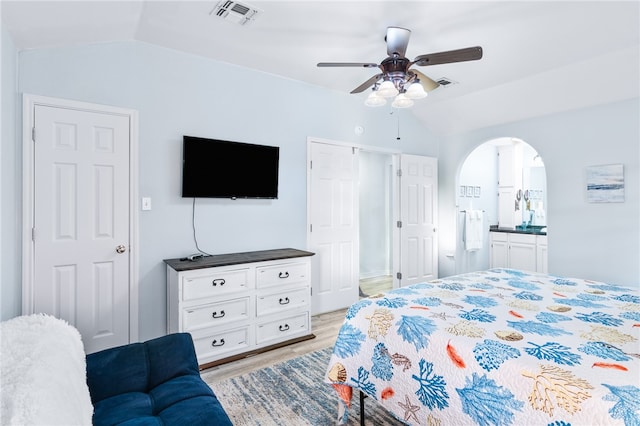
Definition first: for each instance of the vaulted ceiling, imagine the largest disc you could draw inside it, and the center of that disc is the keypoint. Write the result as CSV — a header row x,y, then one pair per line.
x,y
539,57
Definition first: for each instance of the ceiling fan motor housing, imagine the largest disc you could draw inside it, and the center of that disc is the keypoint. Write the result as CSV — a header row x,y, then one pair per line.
x,y
396,69
393,64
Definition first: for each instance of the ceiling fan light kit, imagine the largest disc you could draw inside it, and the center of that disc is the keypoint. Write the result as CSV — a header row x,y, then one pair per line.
x,y
375,100
402,101
387,89
397,78
416,91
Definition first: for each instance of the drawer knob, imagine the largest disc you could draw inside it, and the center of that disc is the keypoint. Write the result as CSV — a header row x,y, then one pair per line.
x,y
284,301
218,315
218,281
215,343
283,274
284,327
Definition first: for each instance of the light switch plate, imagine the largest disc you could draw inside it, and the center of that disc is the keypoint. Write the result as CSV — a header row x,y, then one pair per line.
x,y
146,203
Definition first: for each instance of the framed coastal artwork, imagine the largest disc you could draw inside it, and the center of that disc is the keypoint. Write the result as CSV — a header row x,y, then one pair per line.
x,y
605,184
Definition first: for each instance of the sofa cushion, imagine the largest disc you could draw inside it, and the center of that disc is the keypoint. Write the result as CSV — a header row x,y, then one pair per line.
x,y
122,408
152,383
178,389
169,358
117,371
143,421
140,366
199,411
138,409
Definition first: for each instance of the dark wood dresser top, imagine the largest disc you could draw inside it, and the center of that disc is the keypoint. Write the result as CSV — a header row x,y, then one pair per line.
x,y
182,264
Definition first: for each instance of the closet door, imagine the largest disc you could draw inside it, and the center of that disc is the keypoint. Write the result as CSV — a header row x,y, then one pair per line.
x,y
80,245
333,226
418,219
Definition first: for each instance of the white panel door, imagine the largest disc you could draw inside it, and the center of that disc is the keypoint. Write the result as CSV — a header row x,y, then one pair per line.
x,y
333,231
81,222
419,218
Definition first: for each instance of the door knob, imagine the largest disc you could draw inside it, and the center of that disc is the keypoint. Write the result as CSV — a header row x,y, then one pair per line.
x,y
121,249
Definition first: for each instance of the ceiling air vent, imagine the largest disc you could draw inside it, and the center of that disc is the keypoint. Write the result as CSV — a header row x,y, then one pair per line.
x,y
239,13
446,82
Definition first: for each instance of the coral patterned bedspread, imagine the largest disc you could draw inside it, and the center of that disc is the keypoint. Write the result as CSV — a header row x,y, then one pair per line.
x,y
497,347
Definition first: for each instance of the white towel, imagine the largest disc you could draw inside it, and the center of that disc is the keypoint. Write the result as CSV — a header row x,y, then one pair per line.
x,y
473,230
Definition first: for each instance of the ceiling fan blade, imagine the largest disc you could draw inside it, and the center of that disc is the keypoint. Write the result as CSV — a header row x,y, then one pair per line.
x,y
397,40
367,84
427,83
348,64
459,55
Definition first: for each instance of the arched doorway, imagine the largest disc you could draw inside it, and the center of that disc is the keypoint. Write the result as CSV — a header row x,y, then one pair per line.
x,y
503,181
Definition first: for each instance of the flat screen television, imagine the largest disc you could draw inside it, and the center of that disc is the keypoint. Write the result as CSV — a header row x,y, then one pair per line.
x,y
213,168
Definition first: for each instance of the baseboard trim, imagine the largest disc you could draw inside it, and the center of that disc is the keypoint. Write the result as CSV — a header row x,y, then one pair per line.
x,y
256,351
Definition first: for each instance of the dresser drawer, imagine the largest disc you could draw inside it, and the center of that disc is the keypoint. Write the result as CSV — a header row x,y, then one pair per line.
x,y
281,274
220,344
215,283
280,329
282,301
216,314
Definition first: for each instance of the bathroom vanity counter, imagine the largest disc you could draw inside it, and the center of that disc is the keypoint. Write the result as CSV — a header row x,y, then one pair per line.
x,y
533,229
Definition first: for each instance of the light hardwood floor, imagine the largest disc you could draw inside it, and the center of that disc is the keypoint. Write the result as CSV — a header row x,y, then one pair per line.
x,y
376,285
324,326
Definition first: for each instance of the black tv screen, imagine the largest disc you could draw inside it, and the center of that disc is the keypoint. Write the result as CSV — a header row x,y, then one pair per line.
x,y
213,168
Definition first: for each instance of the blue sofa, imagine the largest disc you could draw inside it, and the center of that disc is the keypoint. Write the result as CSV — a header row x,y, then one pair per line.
x,y
152,383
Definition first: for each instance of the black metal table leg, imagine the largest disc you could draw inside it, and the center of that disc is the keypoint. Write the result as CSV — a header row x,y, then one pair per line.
x,y
362,396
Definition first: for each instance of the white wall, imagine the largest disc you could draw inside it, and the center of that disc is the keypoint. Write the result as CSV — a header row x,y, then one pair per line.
x,y
179,94
10,195
595,241
480,168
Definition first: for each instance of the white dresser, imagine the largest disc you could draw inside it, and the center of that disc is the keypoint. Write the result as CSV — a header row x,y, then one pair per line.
x,y
238,304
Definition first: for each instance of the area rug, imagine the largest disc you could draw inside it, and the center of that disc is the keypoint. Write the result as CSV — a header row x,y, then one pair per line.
x,y
292,393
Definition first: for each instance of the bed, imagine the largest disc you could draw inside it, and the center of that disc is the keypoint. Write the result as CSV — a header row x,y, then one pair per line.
x,y
496,347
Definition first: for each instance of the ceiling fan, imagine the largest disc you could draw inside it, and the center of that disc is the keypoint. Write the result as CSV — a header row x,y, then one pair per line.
x,y
397,78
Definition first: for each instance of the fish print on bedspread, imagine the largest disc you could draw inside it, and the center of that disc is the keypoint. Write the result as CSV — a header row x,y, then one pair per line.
x,y
497,347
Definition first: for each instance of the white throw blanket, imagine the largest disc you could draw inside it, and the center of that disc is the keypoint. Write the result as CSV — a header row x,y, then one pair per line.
x,y
43,373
